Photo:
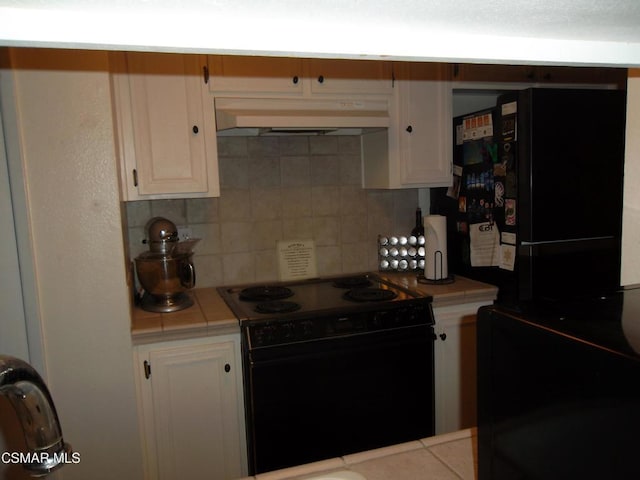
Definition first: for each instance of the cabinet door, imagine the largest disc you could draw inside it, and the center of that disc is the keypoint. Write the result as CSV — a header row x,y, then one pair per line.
x,y
455,367
583,75
255,74
424,127
530,75
350,77
416,151
168,120
194,411
494,73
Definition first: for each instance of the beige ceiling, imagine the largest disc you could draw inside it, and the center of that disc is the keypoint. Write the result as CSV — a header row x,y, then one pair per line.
x,y
604,32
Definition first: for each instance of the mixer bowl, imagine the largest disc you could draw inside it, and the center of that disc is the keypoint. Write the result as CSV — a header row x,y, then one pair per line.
x,y
165,280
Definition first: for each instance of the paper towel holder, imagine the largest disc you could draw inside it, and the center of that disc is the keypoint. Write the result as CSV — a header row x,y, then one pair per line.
x,y
437,256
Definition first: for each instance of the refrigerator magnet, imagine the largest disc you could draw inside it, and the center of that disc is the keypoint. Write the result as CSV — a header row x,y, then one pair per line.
x,y
498,189
462,204
507,257
454,190
510,211
500,169
508,237
509,108
492,150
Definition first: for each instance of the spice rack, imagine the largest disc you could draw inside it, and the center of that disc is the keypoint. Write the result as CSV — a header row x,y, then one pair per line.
x,y
401,253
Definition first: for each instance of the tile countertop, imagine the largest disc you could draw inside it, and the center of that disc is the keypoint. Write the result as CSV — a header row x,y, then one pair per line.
x,y
451,456
461,290
210,315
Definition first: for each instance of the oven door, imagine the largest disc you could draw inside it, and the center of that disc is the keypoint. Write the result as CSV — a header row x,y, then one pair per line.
x,y
326,398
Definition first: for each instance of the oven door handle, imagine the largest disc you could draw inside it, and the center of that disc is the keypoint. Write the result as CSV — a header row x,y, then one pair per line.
x,y
419,337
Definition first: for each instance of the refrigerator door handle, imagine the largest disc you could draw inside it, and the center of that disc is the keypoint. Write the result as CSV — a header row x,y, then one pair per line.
x,y
549,242
554,247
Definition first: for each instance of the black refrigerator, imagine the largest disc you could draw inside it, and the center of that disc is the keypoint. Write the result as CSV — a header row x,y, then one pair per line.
x,y
536,203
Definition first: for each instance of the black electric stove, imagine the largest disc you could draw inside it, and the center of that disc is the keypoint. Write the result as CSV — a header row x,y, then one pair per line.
x,y
361,292
333,366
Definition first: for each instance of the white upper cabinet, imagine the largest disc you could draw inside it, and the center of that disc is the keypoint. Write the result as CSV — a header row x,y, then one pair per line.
x,y
165,126
268,76
425,126
416,152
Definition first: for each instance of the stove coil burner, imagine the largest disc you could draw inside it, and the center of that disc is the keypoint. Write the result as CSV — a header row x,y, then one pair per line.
x,y
369,295
277,306
265,293
352,282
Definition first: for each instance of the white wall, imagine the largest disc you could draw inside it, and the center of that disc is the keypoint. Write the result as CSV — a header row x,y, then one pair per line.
x,y
631,211
63,112
13,333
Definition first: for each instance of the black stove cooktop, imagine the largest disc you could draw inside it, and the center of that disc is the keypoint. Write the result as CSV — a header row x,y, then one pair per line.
x,y
306,298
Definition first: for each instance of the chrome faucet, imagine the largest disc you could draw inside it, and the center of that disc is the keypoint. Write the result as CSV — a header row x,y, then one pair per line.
x,y
33,404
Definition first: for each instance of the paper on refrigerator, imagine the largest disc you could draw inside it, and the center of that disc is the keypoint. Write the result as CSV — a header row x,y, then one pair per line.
x,y
484,245
508,251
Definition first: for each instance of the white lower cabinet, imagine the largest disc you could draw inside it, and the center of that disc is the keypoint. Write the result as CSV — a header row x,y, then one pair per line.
x,y
191,408
455,366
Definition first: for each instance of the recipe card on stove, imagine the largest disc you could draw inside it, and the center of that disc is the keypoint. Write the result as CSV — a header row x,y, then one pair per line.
x,y
296,260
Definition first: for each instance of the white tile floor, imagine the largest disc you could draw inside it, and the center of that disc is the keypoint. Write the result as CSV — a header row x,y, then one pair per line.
x,y
451,456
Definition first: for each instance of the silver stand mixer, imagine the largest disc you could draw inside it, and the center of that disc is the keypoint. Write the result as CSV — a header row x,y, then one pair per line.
x,y
166,271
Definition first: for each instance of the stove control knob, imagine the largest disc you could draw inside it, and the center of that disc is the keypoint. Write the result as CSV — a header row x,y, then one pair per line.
x,y
306,329
264,335
287,331
383,319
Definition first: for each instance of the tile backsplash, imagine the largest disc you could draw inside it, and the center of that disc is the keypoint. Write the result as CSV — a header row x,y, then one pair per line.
x,y
282,188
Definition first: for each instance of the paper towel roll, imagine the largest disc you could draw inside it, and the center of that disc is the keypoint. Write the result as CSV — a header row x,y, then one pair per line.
x,y
435,259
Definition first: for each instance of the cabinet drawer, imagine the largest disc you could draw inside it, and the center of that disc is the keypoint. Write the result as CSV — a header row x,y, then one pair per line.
x,y
237,74
350,77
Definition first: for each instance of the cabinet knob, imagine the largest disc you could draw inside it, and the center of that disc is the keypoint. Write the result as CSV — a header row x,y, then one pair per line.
x,y
295,80
195,129
205,73
227,367
443,336
409,129
321,79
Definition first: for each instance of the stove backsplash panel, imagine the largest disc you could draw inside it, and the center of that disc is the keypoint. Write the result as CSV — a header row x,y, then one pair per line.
x,y
273,188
